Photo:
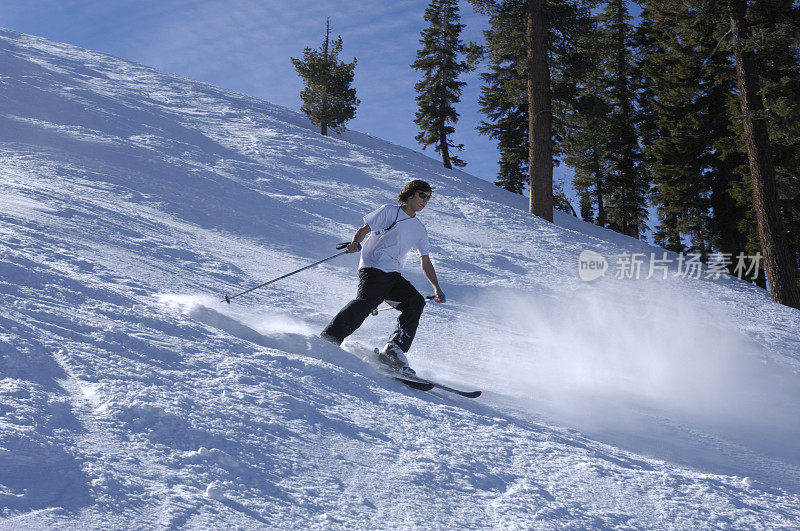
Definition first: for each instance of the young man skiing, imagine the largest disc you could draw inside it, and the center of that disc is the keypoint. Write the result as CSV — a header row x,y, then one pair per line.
x,y
395,231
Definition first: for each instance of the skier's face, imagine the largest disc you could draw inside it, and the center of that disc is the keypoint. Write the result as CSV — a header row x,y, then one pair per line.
x,y
418,201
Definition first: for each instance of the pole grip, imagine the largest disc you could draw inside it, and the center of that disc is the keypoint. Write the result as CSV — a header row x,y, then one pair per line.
x,y
344,245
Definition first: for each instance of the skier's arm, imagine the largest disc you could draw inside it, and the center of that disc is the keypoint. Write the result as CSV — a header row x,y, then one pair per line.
x,y
430,274
358,237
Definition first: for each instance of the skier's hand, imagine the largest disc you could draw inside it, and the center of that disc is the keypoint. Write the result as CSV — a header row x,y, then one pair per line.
x,y
440,298
353,247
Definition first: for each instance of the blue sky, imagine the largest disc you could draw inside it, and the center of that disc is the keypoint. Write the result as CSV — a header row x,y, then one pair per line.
x,y
245,45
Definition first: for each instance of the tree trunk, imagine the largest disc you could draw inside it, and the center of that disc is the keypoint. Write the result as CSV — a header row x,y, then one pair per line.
x,y
443,147
324,124
540,154
446,157
601,209
774,245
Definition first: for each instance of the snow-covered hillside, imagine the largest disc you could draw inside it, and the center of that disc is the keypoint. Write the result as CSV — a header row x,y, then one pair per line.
x,y
130,396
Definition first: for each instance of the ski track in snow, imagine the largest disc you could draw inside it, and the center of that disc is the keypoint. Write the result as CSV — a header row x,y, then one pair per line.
x,y
130,396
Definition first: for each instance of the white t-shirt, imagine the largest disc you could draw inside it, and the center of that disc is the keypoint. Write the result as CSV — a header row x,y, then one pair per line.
x,y
386,250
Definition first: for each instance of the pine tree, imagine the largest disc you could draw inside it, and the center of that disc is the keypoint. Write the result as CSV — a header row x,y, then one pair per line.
x,y
508,124
670,66
586,132
694,136
570,60
504,96
328,99
627,185
776,37
778,261
688,137
439,61
540,112
601,140
586,152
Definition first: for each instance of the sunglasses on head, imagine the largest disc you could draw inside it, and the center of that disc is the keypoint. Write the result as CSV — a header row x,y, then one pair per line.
x,y
423,195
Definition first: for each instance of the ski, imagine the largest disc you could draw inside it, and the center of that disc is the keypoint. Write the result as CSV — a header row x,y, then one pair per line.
x,y
424,384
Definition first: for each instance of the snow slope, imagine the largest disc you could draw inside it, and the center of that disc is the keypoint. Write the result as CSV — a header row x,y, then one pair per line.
x,y
130,396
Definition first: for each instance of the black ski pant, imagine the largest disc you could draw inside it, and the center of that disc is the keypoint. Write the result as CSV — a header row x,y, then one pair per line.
x,y
374,287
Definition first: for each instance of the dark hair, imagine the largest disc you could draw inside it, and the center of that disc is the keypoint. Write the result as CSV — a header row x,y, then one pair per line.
x,y
412,188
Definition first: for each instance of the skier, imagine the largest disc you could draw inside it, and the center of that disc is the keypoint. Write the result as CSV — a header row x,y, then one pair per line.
x,y
395,231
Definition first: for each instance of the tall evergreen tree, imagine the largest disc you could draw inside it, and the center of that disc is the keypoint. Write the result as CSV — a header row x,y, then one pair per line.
x,y
627,183
540,111
504,96
688,137
694,135
586,140
586,152
603,145
777,258
776,38
439,60
328,99
670,68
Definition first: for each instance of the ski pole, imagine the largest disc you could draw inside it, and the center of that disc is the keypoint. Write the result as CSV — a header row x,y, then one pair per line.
x,y
375,312
340,246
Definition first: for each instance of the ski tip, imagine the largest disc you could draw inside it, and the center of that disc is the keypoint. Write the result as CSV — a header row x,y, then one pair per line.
x,y
467,394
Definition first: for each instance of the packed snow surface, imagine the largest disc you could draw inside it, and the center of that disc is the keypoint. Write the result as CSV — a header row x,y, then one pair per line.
x,y
131,201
